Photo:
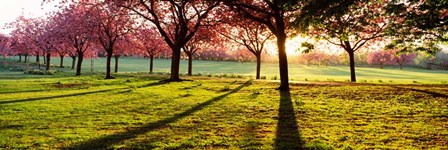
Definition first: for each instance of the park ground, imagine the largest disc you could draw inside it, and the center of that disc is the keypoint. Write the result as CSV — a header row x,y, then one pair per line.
x,y
137,111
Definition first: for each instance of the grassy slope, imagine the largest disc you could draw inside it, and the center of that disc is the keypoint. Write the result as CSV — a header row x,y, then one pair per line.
x,y
296,71
138,112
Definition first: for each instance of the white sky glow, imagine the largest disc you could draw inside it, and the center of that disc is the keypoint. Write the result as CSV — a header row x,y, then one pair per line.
x,y
11,9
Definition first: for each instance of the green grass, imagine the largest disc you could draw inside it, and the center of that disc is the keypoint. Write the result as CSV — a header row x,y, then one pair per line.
x,y
270,71
136,111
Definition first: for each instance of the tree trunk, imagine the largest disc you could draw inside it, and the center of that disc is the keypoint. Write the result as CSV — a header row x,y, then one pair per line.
x,y
190,65
401,66
20,57
91,64
175,62
381,65
45,59
38,60
79,65
351,54
61,65
308,62
48,61
73,61
258,67
108,70
26,58
116,63
151,63
283,62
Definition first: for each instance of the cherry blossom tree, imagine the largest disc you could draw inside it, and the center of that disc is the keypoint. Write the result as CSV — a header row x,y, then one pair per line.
x,y
176,20
150,44
112,24
404,58
124,47
5,45
274,15
252,35
25,33
381,58
204,39
350,25
77,25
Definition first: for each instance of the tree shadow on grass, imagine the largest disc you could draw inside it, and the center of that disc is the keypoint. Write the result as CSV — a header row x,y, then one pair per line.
x,y
29,91
78,94
433,94
107,141
287,136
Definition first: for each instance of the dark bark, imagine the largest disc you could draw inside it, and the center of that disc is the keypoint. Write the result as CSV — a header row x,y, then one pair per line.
x,y
108,62
401,66
61,65
151,63
73,61
190,65
91,64
116,63
26,58
20,57
381,66
175,62
45,59
79,65
258,66
38,60
351,54
48,61
283,61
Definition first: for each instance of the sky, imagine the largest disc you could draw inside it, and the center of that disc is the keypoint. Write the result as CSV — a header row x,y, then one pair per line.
x,y
11,9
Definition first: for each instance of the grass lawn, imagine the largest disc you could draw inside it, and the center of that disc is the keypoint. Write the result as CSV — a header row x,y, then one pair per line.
x,y
135,111
297,72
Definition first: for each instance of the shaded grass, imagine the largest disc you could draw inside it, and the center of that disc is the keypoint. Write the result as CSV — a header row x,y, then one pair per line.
x,y
136,111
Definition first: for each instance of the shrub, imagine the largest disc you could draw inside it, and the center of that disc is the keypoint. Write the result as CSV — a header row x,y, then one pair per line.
x,y
263,77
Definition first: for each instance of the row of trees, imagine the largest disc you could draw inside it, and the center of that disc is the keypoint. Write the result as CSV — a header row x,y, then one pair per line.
x,y
147,27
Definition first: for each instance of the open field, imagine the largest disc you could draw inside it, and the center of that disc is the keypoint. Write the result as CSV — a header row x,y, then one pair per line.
x,y
135,111
297,72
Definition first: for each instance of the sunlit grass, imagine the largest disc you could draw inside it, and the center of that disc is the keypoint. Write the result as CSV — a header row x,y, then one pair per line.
x,y
136,111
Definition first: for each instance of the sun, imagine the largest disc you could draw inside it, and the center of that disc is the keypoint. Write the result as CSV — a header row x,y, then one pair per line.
x,y
292,46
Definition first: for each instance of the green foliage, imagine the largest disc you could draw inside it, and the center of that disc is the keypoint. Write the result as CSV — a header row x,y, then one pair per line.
x,y
306,47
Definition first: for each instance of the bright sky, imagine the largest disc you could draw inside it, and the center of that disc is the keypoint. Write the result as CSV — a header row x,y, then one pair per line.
x,y
11,9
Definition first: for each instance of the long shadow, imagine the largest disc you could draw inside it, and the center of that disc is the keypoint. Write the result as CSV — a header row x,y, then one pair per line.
x,y
107,141
54,97
287,136
77,94
29,91
152,84
433,94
